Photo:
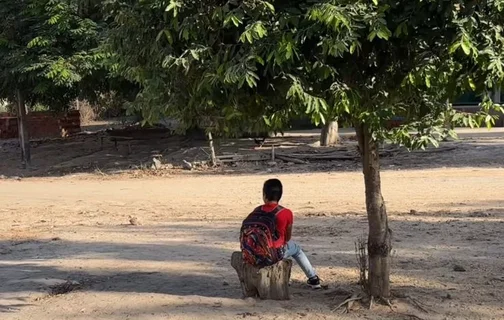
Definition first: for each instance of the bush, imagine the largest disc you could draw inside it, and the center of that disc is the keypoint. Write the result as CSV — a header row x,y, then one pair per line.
x,y
108,105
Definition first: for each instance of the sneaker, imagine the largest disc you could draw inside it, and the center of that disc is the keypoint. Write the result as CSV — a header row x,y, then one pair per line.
x,y
314,283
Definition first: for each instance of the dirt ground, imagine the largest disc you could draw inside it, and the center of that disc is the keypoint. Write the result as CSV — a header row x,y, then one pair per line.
x,y
446,211
96,153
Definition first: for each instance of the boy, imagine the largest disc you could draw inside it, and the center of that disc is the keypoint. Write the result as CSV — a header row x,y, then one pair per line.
x,y
272,193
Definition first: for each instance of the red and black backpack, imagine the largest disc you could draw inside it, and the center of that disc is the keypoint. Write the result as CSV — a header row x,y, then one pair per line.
x,y
257,236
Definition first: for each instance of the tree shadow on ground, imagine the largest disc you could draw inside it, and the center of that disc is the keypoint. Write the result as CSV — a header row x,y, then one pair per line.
x,y
167,265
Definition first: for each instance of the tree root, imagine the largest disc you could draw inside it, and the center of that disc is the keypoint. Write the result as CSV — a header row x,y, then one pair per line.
x,y
388,303
346,305
371,302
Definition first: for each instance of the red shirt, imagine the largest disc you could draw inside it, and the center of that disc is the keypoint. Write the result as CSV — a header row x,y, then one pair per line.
x,y
284,219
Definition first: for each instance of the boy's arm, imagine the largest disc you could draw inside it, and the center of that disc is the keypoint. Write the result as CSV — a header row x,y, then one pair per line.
x,y
288,233
288,230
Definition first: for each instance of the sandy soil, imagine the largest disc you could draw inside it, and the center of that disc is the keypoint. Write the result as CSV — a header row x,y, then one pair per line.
x,y
175,264
446,209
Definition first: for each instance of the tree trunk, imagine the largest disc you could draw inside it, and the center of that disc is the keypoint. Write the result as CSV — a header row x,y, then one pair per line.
x,y
379,239
266,283
329,135
24,139
213,157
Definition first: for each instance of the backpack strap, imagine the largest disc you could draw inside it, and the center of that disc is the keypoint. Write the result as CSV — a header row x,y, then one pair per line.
x,y
277,210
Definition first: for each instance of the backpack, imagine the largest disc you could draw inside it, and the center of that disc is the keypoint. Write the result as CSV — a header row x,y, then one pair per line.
x,y
258,232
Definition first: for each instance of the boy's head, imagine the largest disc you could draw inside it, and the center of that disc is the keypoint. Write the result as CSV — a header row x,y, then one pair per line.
x,y
272,190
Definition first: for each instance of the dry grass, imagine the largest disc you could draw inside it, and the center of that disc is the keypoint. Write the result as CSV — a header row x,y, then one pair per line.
x,y
87,112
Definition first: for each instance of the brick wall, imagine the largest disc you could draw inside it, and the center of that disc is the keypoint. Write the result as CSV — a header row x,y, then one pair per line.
x,y
41,125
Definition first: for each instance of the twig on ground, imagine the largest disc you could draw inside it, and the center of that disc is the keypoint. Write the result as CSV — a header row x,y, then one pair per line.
x,y
100,172
290,159
414,302
348,303
417,304
411,316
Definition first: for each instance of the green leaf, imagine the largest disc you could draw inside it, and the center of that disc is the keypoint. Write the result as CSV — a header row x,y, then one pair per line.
x,y
173,6
195,54
322,118
168,36
434,142
372,35
269,6
375,2
236,21
347,108
250,81
249,37
411,78
259,60
472,85
402,28
353,47
489,121
466,45
288,51
270,56
384,33
185,34
232,18
454,47
323,105
160,34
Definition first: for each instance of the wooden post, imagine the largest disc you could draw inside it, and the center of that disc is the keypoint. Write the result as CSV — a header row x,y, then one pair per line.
x,y
212,149
269,283
24,139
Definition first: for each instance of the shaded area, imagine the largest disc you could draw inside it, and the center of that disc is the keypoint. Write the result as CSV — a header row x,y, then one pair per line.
x,y
104,154
171,262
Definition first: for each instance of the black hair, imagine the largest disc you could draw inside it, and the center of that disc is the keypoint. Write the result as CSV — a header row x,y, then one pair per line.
x,y
272,190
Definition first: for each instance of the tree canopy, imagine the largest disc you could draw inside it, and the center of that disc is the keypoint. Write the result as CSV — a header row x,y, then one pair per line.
x,y
262,63
49,49
242,65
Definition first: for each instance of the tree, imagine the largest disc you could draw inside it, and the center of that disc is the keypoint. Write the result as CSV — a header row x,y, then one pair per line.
x,y
329,134
48,47
257,63
49,53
